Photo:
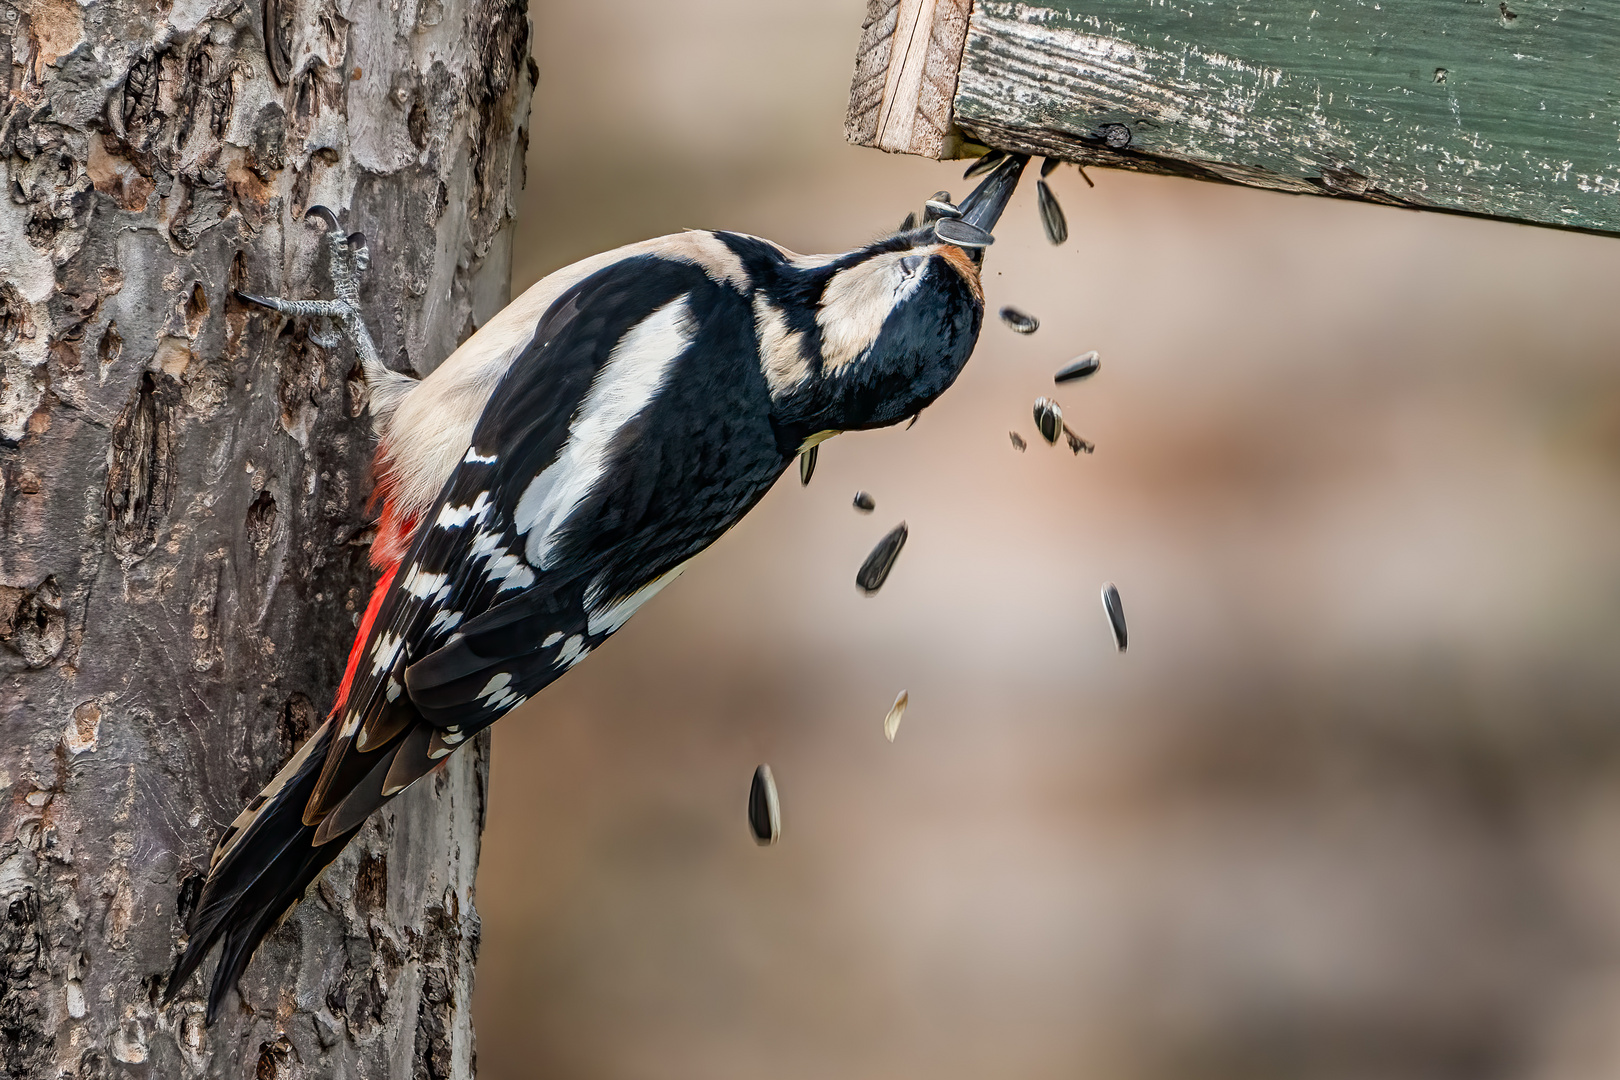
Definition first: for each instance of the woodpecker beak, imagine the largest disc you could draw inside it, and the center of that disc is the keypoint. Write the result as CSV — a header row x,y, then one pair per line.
x,y
983,207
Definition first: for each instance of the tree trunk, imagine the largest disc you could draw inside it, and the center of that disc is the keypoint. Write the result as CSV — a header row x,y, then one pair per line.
x,y
183,526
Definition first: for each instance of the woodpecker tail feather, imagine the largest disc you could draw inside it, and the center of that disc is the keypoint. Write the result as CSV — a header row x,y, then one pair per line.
x,y
260,869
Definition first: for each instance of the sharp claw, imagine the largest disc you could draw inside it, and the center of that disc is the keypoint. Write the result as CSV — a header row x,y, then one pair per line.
x,y
262,301
324,214
359,250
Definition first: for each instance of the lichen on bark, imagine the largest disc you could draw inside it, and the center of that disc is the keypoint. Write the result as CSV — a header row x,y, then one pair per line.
x,y
183,487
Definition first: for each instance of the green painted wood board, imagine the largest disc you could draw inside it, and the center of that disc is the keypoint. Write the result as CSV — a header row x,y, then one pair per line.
x,y
1506,110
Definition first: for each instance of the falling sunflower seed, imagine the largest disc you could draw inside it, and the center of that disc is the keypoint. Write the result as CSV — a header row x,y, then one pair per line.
x,y
1081,367
764,811
984,164
807,465
897,712
1116,614
1048,419
875,570
864,502
1049,166
1018,441
1019,321
1052,219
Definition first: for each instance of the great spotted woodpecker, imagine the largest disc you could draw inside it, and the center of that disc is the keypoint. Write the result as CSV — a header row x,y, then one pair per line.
x,y
559,469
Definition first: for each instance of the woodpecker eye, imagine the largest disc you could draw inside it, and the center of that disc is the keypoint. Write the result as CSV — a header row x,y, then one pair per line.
x,y
911,264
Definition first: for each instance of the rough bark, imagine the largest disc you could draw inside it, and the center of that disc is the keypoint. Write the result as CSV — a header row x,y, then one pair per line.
x,y
183,526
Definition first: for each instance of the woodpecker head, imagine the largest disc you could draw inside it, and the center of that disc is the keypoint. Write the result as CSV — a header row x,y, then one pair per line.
x,y
869,338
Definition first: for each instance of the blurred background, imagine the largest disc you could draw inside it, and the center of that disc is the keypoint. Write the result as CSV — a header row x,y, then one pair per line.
x,y
1347,808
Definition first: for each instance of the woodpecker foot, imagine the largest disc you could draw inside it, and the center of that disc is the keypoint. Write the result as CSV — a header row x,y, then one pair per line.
x,y
333,320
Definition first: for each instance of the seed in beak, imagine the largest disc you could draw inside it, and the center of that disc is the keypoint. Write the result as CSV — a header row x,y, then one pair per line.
x,y
897,712
1081,367
807,465
940,206
909,222
1048,419
1020,322
1018,441
1116,614
864,502
1049,166
764,811
875,570
1052,219
984,164
963,235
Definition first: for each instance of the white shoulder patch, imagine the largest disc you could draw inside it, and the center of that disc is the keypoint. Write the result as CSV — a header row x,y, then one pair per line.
x,y
627,384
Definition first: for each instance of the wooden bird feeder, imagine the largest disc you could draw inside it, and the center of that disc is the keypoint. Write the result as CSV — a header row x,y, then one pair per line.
x,y
1507,110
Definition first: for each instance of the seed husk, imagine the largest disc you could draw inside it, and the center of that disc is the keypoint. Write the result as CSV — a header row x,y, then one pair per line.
x,y
897,712
1052,219
1116,614
1048,419
764,810
1081,367
1049,166
1019,321
1018,441
984,164
1076,443
807,465
875,570
864,502
963,235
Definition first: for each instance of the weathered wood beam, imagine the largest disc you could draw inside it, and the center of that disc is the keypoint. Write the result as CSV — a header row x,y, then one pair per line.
x,y
1507,110
905,76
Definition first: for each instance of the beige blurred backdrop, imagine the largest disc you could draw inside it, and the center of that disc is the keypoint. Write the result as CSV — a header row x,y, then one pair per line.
x,y
1347,808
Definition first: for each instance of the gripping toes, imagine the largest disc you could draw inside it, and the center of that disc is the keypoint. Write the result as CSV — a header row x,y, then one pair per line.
x,y
348,257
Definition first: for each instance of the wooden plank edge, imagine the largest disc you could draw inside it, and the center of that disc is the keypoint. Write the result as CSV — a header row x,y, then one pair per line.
x,y
1091,152
904,86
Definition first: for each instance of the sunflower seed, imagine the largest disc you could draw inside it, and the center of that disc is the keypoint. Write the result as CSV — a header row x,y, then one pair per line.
x,y
940,206
897,712
984,164
864,502
1116,614
875,570
963,235
807,465
1017,320
1081,367
764,811
909,222
1017,440
1049,166
1048,419
1052,219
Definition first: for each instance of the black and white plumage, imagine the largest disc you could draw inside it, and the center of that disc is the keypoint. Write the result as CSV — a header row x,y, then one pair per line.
x,y
560,469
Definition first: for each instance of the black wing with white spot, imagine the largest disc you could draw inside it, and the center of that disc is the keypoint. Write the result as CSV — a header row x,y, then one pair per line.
x,y
593,475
